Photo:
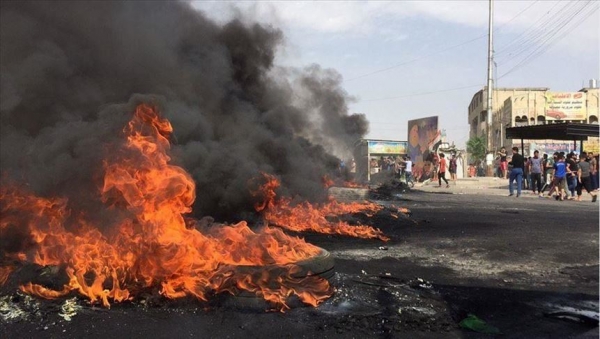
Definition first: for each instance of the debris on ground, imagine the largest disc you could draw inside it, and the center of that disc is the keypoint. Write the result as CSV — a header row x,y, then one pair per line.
x,y
473,323
69,309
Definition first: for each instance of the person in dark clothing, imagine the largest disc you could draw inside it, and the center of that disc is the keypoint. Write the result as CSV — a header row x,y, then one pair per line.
x,y
572,174
442,170
584,179
518,163
503,163
536,168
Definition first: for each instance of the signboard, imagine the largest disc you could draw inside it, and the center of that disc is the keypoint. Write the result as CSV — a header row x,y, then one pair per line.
x,y
547,147
424,138
592,145
565,106
388,147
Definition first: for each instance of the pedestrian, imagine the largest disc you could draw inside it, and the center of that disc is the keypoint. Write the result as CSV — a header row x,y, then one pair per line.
x,y
408,169
516,173
442,170
503,162
452,168
550,161
565,183
535,169
584,179
572,174
593,170
436,165
559,177
526,176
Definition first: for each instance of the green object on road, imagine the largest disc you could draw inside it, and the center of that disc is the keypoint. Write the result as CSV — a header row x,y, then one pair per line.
x,y
472,322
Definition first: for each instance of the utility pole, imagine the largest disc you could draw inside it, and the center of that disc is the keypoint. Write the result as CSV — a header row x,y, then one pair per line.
x,y
489,81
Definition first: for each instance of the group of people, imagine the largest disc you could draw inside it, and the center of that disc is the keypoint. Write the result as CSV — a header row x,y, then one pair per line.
x,y
564,175
444,166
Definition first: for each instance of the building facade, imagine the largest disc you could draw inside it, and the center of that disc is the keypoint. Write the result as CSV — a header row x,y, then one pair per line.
x,y
531,106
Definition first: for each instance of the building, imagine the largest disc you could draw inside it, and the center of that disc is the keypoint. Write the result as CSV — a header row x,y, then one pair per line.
x,y
530,106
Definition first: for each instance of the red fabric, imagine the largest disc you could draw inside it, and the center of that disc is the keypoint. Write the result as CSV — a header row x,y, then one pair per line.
x,y
442,165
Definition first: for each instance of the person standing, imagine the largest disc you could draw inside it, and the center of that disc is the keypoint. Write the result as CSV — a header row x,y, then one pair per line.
x,y
442,170
572,174
526,176
559,177
518,163
548,168
584,179
535,169
453,166
593,170
503,162
408,169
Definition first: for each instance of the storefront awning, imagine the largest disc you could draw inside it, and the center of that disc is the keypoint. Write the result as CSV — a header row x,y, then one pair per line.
x,y
564,131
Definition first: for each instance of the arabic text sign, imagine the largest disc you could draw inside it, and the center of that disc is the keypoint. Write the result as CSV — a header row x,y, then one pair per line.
x,y
566,105
387,147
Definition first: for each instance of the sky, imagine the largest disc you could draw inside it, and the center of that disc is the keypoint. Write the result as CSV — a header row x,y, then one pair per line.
x,y
404,60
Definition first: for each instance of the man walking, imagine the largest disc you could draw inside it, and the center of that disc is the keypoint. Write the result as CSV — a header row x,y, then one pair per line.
x,y
559,180
503,163
453,166
584,179
593,170
408,170
518,163
442,170
535,168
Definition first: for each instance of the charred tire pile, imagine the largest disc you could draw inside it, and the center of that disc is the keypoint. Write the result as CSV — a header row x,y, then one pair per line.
x,y
321,265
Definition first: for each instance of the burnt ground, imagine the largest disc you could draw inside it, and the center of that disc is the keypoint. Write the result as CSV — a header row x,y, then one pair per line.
x,y
511,262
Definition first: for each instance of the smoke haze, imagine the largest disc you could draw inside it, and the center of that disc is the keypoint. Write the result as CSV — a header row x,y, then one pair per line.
x,y
71,74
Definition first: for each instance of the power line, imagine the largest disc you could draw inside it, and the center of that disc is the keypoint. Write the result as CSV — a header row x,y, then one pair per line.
x,y
422,93
544,34
417,59
543,48
440,51
522,37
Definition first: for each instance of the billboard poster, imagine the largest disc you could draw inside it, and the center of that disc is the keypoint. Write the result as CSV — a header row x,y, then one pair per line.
x,y
565,106
387,147
424,138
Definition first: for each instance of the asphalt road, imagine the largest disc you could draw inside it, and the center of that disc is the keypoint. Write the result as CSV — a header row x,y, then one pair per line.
x,y
509,261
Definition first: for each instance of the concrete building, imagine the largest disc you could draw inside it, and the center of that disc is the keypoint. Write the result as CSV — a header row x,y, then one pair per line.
x,y
530,106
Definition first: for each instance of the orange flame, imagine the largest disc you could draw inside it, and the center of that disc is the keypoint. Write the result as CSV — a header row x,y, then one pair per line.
x,y
307,217
352,184
327,182
152,245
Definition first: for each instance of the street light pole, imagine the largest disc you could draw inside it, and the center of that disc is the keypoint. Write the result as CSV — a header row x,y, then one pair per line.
x,y
489,79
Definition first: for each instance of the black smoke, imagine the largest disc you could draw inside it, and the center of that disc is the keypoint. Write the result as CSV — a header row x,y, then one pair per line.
x,y
71,74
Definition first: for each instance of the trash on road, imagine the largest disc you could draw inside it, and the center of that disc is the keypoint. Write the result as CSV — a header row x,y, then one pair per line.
x,y
473,323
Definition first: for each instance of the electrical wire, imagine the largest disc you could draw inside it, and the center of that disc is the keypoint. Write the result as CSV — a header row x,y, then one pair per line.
x,y
565,20
422,93
520,39
540,50
442,50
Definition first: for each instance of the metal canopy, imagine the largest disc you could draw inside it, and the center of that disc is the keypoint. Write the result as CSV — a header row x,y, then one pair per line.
x,y
565,131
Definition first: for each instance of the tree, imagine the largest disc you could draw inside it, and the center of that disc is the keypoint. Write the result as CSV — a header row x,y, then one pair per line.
x,y
476,146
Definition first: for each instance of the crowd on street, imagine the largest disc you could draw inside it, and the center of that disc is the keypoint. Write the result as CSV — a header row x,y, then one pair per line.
x,y
562,176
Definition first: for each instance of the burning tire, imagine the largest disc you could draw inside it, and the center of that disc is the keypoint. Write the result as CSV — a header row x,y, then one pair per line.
x,y
321,265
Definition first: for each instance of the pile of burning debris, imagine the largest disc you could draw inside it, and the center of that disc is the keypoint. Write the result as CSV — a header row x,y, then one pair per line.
x,y
152,251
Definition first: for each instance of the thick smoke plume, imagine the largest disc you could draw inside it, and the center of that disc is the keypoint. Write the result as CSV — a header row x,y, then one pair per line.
x,y
72,73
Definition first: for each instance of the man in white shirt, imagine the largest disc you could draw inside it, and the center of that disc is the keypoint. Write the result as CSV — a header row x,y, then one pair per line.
x,y
408,169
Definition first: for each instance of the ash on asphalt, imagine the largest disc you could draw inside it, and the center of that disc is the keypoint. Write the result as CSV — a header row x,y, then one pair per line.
x,y
518,264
